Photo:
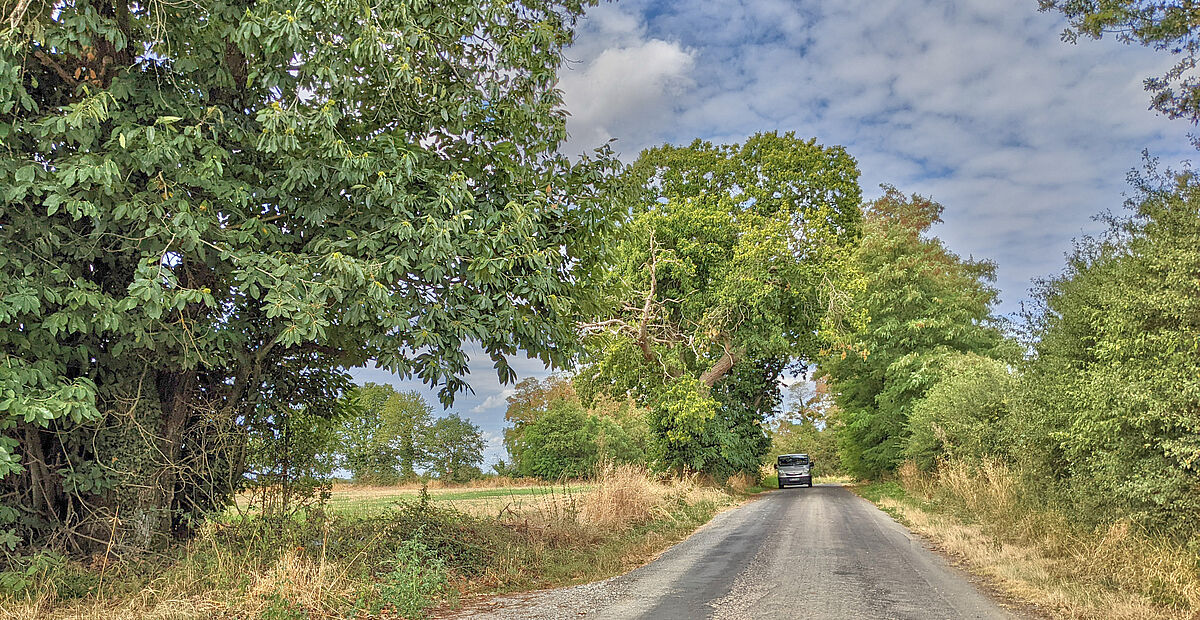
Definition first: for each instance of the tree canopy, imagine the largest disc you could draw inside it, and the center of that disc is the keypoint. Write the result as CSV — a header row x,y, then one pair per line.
x,y
923,302
731,266
387,438
554,435
211,210
455,448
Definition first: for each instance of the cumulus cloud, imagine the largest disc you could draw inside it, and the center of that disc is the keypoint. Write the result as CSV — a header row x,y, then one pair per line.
x,y
623,80
493,448
497,399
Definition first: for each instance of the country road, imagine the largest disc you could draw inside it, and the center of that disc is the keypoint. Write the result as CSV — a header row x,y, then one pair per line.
x,y
822,552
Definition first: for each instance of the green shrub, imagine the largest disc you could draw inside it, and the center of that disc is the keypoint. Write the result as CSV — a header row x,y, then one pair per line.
x,y
963,415
417,579
1112,401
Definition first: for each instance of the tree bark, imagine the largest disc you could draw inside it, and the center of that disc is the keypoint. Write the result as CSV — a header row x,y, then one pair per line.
x,y
721,368
176,392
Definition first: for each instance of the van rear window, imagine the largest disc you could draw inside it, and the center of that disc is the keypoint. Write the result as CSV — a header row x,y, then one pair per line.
x,y
788,461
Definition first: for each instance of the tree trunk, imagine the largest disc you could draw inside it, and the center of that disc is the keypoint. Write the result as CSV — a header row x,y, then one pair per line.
x,y
176,392
721,368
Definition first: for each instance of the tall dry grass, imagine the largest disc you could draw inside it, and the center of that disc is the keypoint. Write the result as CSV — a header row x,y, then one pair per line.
x,y
314,587
488,482
629,495
982,513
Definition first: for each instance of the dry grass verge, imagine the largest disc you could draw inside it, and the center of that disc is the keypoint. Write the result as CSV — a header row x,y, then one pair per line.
x,y
979,514
628,496
384,563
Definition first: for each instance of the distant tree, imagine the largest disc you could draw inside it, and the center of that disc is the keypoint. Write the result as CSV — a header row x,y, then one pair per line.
x,y
807,426
387,437
924,303
530,400
568,442
559,444
455,449
1171,26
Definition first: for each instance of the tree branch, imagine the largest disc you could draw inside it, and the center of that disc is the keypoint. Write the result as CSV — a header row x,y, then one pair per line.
x,y
718,370
51,63
642,339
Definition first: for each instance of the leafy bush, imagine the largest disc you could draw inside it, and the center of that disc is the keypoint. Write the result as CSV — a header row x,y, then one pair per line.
x,y
681,422
925,304
565,441
962,415
1112,401
418,578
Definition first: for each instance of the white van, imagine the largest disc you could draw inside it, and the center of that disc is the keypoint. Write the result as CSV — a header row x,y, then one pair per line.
x,y
794,469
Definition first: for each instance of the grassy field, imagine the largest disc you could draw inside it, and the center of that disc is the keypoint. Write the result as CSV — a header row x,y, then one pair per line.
x,y
379,552
499,501
1037,556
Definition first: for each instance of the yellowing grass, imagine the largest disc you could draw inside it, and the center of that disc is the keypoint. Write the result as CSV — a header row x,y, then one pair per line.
x,y
1038,556
627,495
520,537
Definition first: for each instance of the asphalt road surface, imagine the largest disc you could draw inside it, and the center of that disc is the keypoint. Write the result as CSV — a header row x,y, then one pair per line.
x,y
822,552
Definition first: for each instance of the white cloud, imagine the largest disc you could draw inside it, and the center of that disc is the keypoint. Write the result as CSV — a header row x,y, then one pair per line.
x,y
974,102
493,448
977,103
623,80
497,399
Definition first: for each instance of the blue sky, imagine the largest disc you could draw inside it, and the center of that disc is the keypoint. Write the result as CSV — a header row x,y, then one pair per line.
x,y
977,103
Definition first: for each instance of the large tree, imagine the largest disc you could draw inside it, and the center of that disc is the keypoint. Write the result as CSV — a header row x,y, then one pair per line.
x,y
387,436
730,268
1112,407
211,210
924,304
455,449
530,400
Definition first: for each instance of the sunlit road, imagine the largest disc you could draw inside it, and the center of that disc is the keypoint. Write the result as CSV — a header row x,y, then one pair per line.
x,y
796,553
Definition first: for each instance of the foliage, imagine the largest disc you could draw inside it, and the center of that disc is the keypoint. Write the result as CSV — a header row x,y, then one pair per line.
x,y
455,449
965,415
735,256
532,398
1167,25
569,442
747,397
289,461
924,304
211,210
554,436
417,579
1112,402
683,422
387,439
